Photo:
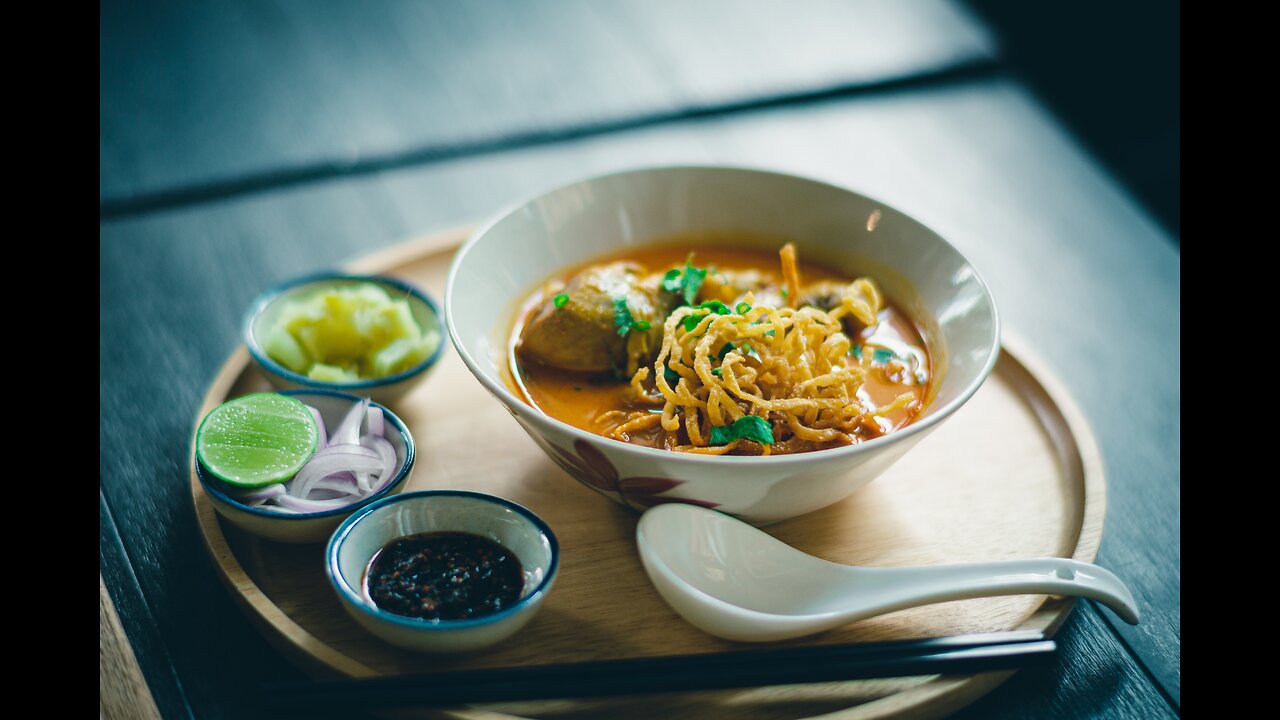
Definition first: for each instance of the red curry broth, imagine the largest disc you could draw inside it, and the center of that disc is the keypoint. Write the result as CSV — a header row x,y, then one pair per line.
x,y
585,400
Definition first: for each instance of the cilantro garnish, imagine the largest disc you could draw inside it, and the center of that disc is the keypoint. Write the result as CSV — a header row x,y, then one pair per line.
x,y
715,306
749,427
743,308
561,300
623,320
745,348
685,282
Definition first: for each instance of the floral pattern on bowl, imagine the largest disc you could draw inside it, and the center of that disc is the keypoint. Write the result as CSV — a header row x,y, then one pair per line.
x,y
590,467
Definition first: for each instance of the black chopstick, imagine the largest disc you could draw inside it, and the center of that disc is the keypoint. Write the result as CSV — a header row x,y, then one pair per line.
x,y
956,655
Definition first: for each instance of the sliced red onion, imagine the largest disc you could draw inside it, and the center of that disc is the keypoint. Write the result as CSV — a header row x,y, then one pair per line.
x,y
348,431
310,506
327,494
343,482
364,482
319,467
374,422
336,449
324,439
388,455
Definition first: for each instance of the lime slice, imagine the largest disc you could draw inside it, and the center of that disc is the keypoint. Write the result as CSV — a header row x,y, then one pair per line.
x,y
257,440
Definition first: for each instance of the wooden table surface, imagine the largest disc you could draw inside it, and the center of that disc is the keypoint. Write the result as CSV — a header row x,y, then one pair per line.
x,y
243,143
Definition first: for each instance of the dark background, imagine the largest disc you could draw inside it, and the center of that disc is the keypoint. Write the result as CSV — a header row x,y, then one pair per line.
x,y
1111,72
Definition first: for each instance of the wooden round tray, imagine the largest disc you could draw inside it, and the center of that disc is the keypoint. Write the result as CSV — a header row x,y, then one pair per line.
x,y
1014,474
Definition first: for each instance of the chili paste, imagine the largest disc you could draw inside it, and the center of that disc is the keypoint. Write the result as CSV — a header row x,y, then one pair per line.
x,y
444,575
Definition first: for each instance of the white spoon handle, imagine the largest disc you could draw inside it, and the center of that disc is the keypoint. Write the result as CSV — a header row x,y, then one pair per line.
x,y
889,589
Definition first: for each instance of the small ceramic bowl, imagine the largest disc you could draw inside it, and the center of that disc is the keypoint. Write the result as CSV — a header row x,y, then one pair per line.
x,y
298,528
266,309
850,233
363,534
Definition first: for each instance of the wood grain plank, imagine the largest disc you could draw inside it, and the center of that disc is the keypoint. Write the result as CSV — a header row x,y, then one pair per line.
x,y
194,94
1058,241
122,691
1091,665
136,621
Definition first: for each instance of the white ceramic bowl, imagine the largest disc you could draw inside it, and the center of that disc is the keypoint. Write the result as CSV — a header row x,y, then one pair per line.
x,y
265,311
298,528
511,256
514,527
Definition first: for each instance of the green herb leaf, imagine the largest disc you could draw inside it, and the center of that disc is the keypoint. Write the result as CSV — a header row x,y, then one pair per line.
x,y
745,348
621,316
743,308
749,427
671,281
715,371
693,278
686,282
715,306
561,300
623,320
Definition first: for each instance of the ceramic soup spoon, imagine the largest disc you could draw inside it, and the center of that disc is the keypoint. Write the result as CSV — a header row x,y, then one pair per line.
x,y
739,583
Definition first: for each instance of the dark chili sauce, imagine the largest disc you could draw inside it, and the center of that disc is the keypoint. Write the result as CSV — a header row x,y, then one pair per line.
x,y
444,575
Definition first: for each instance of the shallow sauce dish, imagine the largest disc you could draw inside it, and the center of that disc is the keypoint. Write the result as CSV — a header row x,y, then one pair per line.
x,y
298,528
512,526
507,259
266,310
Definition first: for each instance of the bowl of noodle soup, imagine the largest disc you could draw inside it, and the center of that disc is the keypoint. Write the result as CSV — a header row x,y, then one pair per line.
x,y
759,343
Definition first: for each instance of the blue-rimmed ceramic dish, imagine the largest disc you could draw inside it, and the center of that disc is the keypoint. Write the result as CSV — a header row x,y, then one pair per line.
x,y
265,312
313,527
516,528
